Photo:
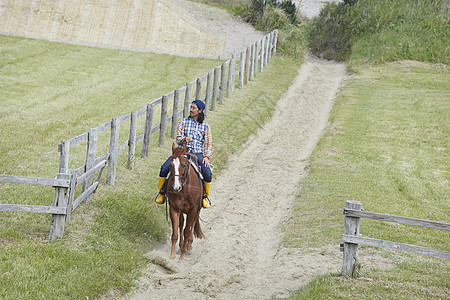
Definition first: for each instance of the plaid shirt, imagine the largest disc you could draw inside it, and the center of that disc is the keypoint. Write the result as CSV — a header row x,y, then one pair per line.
x,y
200,134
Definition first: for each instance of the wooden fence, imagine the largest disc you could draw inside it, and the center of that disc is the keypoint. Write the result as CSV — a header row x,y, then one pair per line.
x,y
352,238
220,82
61,207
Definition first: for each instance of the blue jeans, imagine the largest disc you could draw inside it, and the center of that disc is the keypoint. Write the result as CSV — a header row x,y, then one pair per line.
x,y
206,172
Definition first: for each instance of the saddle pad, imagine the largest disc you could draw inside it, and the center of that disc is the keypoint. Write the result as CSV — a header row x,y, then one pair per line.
x,y
196,167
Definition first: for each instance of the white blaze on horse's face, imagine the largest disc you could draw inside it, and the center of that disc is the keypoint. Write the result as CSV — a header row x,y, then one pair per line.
x,y
176,178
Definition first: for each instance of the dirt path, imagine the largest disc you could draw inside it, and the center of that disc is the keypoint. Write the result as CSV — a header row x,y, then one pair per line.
x,y
241,257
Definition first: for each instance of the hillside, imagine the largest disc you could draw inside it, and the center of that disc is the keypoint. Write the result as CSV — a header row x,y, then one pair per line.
x,y
163,26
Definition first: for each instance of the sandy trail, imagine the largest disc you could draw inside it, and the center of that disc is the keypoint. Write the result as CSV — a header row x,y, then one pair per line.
x,y
241,258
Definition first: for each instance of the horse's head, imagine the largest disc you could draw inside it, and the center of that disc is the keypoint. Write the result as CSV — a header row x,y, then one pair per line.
x,y
178,167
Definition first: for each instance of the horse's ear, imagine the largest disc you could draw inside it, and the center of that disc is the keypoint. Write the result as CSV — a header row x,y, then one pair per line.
x,y
173,148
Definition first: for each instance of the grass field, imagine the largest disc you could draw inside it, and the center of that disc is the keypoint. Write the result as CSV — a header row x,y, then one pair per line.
x,y
386,146
52,92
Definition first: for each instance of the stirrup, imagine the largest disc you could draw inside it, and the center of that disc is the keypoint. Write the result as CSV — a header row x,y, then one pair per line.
x,y
206,203
157,198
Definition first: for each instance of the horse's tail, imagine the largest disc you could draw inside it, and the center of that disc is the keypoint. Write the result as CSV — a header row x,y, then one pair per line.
x,y
198,233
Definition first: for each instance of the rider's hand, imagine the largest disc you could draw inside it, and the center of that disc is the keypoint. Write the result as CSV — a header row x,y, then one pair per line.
x,y
188,139
206,161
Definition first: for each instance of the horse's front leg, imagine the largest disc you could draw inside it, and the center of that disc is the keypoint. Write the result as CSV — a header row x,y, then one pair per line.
x,y
175,218
181,225
188,235
191,239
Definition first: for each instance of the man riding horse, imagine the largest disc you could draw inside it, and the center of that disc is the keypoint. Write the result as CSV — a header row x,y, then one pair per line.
x,y
196,133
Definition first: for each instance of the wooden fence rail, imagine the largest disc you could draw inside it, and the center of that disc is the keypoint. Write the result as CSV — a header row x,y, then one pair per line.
x,y
352,238
211,88
61,207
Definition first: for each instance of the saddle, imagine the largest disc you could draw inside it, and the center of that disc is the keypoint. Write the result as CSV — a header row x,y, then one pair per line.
x,y
194,162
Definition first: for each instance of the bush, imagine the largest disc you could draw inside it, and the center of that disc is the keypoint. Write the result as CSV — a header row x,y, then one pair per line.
x,y
271,18
292,42
328,35
378,31
267,15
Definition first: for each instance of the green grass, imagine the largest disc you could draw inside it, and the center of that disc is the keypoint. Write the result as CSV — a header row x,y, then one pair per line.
x,y
386,146
417,280
52,92
66,89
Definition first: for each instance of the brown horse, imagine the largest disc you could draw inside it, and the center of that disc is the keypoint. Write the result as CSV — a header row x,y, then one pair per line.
x,y
185,192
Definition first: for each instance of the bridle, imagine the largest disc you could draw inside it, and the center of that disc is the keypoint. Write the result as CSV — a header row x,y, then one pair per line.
x,y
186,173
184,177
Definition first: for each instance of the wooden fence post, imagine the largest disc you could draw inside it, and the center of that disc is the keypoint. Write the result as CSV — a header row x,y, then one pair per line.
x,y
198,91
351,227
233,71
73,184
132,141
223,69
162,126
275,39
58,223
252,63
64,149
241,69
113,146
215,88
208,92
261,60
147,130
256,58
266,52
187,100
176,100
90,158
230,77
247,65
269,53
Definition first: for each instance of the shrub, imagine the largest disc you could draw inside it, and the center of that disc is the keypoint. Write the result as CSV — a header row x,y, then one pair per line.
x,y
328,34
378,31
292,41
267,15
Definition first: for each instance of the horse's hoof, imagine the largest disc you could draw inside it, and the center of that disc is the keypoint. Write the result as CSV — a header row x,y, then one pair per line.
x,y
189,252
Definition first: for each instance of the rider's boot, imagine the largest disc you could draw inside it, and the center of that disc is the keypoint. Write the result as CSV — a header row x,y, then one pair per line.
x,y
206,203
160,198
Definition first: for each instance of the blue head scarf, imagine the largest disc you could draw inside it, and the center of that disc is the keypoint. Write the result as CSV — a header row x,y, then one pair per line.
x,y
199,104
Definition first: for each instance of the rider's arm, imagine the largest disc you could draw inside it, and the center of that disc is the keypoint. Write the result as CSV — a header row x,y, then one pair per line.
x,y
180,132
208,142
